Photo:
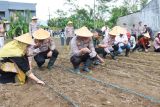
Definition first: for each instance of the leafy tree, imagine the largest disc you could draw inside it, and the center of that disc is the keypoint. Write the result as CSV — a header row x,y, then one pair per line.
x,y
116,13
81,16
19,24
132,5
143,3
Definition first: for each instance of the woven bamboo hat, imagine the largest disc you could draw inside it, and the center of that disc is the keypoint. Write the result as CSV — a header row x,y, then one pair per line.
x,y
147,35
118,30
83,32
70,22
41,34
34,18
25,38
6,22
113,33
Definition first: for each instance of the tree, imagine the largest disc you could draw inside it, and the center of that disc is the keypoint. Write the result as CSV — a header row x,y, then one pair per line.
x,y
82,16
143,3
61,13
19,24
132,5
116,13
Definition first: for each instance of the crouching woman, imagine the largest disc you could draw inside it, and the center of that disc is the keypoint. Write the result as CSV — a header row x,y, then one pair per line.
x,y
15,65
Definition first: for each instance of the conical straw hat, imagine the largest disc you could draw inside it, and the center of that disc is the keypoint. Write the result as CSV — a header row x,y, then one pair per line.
x,y
25,38
119,30
113,33
147,35
7,22
34,18
83,32
70,22
41,34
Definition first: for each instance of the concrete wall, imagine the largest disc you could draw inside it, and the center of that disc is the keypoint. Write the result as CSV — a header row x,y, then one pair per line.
x,y
149,15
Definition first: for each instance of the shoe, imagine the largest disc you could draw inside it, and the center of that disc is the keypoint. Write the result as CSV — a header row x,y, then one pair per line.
x,y
113,56
87,70
96,63
116,53
77,70
127,52
49,67
51,62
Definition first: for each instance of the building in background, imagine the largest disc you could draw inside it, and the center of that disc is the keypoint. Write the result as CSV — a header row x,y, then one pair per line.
x,y
8,9
149,15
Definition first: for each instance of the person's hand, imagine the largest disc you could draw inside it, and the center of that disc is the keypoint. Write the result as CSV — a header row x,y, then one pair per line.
x,y
86,50
102,46
83,50
40,82
101,60
49,54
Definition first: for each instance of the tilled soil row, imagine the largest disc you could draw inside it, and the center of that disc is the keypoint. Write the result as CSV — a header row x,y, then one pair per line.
x,y
126,67
29,95
126,77
88,93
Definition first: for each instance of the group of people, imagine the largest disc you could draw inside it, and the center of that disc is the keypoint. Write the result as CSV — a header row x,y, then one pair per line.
x,y
17,55
87,48
144,37
92,47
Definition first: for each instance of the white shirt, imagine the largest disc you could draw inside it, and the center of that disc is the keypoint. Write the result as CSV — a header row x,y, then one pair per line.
x,y
120,39
132,42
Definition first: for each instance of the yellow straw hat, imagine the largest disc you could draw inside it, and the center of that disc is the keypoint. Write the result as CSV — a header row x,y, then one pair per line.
x,y
41,34
147,35
113,33
34,18
6,22
83,32
119,30
70,22
25,38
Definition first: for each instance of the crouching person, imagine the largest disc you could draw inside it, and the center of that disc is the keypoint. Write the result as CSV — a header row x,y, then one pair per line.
x,y
15,65
82,49
122,41
107,46
97,34
45,48
143,43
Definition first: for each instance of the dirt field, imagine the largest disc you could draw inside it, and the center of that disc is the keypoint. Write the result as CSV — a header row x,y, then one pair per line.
x,y
140,73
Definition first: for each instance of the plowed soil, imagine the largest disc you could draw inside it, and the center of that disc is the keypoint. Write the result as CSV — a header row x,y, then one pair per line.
x,y
139,72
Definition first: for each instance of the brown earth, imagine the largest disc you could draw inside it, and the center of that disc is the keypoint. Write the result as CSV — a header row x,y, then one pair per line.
x,y
139,72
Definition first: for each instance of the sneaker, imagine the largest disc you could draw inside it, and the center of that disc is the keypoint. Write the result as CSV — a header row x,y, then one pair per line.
x,y
87,70
49,67
113,56
96,63
77,70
